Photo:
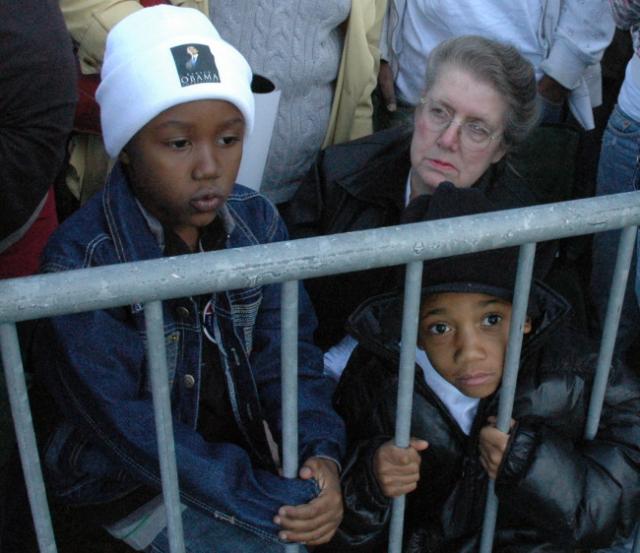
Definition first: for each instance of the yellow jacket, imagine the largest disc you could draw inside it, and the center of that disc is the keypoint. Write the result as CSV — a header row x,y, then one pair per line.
x,y
352,109
89,21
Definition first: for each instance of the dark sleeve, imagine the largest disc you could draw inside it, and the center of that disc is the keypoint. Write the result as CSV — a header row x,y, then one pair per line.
x,y
316,203
581,492
303,214
543,169
362,401
37,102
366,510
321,429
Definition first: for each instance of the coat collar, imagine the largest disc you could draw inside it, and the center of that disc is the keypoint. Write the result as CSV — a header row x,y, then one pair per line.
x,y
382,180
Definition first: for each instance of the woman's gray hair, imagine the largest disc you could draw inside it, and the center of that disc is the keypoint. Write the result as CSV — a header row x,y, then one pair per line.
x,y
502,67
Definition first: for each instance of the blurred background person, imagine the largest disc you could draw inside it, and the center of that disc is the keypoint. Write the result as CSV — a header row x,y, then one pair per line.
x,y
37,104
477,107
618,172
323,56
563,39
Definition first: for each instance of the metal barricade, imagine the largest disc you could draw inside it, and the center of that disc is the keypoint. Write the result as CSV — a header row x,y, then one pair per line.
x,y
151,282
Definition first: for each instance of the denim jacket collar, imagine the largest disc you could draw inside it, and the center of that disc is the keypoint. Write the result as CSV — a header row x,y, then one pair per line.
x,y
137,234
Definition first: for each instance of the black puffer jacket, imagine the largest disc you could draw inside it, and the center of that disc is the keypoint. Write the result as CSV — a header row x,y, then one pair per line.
x,y
556,490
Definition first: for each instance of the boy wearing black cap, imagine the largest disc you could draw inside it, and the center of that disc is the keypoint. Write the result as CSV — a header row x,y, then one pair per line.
x,y
176,121
557,491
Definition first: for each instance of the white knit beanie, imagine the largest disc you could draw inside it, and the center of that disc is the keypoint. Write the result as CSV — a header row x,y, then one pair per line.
x,y
162,56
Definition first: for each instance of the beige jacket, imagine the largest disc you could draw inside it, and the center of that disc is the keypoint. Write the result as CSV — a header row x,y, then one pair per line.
x,y
89,21
352,109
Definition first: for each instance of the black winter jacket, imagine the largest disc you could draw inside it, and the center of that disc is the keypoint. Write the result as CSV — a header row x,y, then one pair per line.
x,y
557,492
361,185
37,104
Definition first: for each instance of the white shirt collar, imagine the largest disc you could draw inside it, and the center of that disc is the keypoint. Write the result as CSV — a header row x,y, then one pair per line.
x,y
462,408
407,191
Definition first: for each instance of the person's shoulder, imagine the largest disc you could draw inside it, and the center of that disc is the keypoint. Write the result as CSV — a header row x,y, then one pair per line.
x,y
372,368
255,218
547,162
567,349
391,136
244,200
368,384
555,382
350,157
557,349
388,138
241,193
80,241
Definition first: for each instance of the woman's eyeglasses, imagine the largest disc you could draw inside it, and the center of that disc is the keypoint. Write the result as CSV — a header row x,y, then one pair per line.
x,y
474,135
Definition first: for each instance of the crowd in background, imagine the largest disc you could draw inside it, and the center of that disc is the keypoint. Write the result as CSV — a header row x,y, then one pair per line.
x,y
539,103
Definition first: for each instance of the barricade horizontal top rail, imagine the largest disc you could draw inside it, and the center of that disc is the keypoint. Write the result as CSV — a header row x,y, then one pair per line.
x,y
160,279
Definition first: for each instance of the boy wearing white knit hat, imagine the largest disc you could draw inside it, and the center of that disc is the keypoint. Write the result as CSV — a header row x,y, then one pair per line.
x,y
175,106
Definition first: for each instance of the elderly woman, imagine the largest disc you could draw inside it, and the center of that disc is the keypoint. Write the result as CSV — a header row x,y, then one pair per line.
x,y
479,102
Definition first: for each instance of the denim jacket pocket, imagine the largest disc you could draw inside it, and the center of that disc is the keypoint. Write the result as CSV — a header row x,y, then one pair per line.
x,y
79,472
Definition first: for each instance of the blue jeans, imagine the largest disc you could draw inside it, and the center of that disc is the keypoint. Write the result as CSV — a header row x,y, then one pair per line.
x,y
618,171
205,534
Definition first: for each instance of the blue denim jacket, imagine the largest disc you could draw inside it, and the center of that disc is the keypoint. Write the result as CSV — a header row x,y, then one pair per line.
x,y
94,365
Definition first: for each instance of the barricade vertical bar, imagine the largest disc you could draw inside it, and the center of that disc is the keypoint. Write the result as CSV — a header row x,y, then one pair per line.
x,y
410,317
289,362
509,378
25,436
158,374
610,331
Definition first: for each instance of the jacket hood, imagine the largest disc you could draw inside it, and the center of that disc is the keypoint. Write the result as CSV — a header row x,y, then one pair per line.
x,y
377,322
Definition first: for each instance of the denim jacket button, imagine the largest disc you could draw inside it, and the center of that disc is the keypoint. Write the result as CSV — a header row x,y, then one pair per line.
x,y
182,312
189,381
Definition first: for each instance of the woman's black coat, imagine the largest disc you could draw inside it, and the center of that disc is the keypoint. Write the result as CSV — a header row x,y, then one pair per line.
x,y
557,491
361,185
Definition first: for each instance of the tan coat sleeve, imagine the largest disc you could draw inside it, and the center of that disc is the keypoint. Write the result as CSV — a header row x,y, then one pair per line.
x,y
89,21
352,108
